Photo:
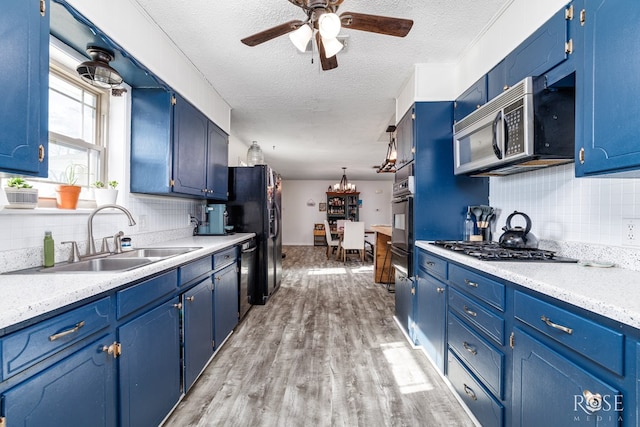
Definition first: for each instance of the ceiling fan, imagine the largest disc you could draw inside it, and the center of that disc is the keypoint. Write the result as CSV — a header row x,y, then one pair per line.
x,y
324,21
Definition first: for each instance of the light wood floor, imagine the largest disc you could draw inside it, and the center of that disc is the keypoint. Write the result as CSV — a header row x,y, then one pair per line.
x,y
323,351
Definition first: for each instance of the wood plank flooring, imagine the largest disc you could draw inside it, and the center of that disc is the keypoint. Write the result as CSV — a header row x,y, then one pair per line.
x,y
323,351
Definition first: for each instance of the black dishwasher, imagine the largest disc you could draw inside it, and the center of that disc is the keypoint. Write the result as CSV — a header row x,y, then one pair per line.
x,y
248,270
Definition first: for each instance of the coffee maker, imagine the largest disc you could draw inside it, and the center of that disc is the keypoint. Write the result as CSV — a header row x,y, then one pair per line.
x,y
215,221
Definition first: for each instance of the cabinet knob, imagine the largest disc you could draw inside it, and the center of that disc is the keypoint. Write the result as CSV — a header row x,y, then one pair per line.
x,y
190,299
440,290
593,400
178,305
114,349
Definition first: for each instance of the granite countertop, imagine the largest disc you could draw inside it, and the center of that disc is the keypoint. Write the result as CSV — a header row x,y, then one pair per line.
x,y
25,296
611,292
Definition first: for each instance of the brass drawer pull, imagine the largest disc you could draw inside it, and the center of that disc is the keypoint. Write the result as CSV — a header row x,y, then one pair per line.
x,y
470,312
67,332
469,391
470,283
548,321
469,348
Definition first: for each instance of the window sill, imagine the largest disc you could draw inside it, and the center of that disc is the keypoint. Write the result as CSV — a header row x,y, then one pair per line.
x,y
47,206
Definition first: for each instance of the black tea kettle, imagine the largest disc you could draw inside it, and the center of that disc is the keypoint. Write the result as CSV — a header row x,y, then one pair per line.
x,y
518,237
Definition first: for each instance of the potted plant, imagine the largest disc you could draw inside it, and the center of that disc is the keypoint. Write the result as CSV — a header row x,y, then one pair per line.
x,y
20,194
67,194
104,195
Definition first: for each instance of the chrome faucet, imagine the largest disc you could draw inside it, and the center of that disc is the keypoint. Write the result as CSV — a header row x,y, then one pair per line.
x,y
91,247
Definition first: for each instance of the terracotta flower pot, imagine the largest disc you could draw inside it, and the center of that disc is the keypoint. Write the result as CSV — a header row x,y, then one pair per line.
x,y
67,196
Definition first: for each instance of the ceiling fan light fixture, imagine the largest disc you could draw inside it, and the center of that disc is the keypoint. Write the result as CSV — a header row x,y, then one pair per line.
x,y
329,25
331,46
300,37
97,71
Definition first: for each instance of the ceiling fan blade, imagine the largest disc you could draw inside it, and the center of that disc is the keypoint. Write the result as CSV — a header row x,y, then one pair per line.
x,y
272,33
327,63
376,24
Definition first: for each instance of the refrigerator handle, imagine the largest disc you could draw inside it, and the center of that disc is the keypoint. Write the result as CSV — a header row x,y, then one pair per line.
x,y
276,220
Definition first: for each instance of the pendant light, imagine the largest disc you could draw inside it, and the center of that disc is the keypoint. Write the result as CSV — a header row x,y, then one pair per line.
x,y
389,164
255,155
98,72
344,186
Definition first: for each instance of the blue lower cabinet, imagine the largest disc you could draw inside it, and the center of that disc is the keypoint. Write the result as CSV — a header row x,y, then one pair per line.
x,y
404,302
550,390
430,317
150,365
480,402
80,390
225,303
198,330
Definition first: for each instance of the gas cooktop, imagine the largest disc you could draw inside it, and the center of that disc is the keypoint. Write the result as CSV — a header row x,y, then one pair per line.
x,y
492,251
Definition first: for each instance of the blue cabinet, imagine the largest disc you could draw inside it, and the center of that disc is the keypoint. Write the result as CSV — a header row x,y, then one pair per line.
x,y
149,374
24,82
544,49
471,99
431,306
404,303
198,330
405,141
80,390
611,89
225,301
551,390
175,149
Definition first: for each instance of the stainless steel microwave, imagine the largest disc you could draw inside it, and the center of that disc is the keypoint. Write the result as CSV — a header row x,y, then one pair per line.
x,y
527,127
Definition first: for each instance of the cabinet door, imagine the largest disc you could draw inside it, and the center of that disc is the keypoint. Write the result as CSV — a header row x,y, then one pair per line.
x,y
150,366
431,317
24,81
198,330
611,87
404,301
79,390
217,167
225,297
471,99
405,139
550,390
190,133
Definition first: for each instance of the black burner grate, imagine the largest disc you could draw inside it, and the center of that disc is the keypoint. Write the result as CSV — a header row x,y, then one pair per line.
x,y
492,251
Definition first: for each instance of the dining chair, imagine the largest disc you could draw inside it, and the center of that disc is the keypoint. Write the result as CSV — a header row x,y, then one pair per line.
x,y
353,239
340,224
332,244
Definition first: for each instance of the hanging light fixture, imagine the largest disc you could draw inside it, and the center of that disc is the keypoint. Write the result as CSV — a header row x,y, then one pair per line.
x,y
344,186
389,164
255,155
98,72
300,37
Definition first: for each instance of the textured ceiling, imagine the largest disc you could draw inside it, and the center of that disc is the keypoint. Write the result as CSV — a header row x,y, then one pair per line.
x,y
311,122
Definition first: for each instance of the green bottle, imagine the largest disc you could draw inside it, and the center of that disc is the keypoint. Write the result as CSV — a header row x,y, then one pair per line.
x,y
49,258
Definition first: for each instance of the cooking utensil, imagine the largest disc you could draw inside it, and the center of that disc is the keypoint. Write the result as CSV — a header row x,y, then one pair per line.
x,y
477,212
518,237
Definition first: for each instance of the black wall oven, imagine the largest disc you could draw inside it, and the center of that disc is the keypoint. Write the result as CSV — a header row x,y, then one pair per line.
x,y
402,222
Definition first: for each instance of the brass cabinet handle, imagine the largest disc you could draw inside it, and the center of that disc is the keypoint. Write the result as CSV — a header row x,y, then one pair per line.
x,y
469,391
470,312
548,321
67,332
470,283
178,305
440,290
469,348
43,7
593,400
41,153
114,349
190,299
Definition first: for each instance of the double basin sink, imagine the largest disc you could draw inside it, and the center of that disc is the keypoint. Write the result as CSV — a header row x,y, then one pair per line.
x,y
119,262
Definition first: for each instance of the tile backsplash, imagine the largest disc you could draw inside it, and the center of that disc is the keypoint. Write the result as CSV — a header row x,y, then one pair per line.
x,y
587,212
157,219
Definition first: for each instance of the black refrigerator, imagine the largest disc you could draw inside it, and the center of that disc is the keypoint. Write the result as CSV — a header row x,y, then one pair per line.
x,y
254,206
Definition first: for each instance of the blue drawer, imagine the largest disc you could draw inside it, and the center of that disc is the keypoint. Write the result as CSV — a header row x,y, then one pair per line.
x,y
473,313
592,340
482,358
29,346
481,287
137,296
432,264
194,269
485,407
224,258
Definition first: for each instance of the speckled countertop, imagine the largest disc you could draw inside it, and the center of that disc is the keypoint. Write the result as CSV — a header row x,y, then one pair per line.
x,y
611,292
27,296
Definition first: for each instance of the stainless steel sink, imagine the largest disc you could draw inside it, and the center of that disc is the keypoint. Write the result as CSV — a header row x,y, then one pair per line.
x,y
154,252
99,265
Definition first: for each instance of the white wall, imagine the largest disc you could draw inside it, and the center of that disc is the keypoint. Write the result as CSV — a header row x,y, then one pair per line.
x,y
298,218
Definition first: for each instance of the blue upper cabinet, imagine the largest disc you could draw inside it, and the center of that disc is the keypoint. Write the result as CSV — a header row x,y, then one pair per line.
x,y
24,81
175,149
544,49
405,140
471,99
611,89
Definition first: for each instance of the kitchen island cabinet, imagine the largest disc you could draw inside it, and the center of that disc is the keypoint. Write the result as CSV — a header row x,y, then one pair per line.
x,y
175,149
24,77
